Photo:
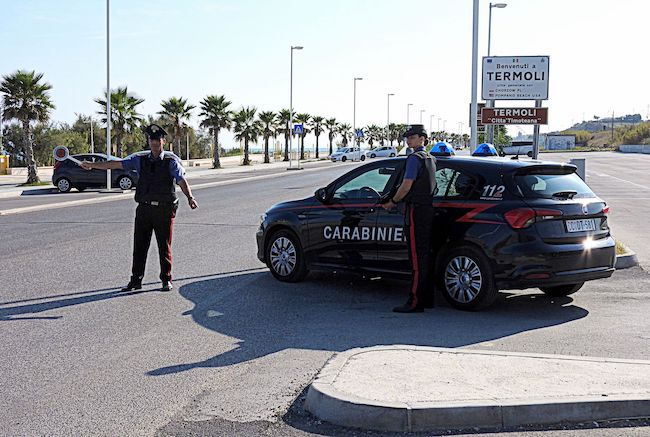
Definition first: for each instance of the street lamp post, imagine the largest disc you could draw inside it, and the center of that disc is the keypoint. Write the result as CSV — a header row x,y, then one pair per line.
x,y
422,111
290,127
473,105
490,128
92,136
388,119
431,117
408,113
439,123
108,93
354,110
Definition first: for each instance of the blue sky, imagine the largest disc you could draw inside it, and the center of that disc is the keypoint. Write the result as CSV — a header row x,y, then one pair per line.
x,y
418,49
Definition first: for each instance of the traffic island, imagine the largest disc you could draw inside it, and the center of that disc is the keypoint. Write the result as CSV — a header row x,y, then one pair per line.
x,y
413,388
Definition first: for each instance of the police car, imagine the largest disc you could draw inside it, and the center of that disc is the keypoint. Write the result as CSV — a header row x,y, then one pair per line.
x,y
500,224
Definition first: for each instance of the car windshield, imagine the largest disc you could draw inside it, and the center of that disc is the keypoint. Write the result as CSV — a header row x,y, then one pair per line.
x,y
345,150
549,185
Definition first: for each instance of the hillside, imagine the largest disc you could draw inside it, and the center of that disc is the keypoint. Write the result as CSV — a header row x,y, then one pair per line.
x,y
637,133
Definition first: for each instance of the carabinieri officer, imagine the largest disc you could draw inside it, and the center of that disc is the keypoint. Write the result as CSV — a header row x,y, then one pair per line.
x,y
417,190
157,203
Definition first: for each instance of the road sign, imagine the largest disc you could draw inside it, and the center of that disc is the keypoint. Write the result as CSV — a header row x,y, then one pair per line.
x,y
298,129
359,133
514,116
515,78
480,127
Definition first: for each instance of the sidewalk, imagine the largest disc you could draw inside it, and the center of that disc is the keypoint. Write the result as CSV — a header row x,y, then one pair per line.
x,y
412,388
10,185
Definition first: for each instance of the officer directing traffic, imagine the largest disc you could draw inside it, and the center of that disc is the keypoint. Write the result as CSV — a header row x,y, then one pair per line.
x,y
416,190
157,203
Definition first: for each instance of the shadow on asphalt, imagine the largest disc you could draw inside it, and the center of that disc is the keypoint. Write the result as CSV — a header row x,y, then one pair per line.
x,y
82,297
336,313
19,312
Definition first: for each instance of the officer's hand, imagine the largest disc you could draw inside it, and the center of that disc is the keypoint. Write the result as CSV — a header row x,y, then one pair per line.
x,y
388,205
192,203
85,165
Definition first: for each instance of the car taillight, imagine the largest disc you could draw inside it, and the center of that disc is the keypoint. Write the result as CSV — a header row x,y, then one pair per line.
x,y
606,210
57,164
522,218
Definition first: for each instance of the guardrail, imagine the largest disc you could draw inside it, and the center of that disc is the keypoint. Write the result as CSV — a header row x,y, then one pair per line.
x,y
634,148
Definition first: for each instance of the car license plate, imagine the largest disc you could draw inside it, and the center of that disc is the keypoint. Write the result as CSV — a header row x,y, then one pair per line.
x,y
581,225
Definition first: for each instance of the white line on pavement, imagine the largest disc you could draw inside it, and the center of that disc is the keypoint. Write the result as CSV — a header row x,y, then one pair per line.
x,y
128,195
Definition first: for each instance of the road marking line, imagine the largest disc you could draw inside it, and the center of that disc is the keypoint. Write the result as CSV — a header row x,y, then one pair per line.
x,y
124,196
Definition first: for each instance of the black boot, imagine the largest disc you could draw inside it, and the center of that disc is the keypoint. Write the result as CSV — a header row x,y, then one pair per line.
x,y
134,284
409,307
167,286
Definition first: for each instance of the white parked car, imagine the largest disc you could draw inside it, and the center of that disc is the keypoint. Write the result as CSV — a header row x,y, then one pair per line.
x,y
348,154
383,151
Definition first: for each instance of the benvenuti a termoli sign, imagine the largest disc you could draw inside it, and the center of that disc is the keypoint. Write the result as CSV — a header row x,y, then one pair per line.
x,y
515,78
514,116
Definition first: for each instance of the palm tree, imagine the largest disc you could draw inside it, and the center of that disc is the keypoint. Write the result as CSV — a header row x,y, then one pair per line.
x,y
373,133
216,116
284,120
303,118
317,125
27,100
269,122
124,115
176,111
345,130
332,126
246,128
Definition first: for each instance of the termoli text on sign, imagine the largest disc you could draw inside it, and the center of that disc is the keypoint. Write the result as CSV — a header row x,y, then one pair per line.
x,y
514,116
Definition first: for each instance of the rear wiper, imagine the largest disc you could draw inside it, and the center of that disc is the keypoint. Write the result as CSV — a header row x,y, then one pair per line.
x,y
565,194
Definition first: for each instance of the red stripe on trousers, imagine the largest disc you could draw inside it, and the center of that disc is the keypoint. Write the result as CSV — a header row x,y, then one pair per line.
x,y
169,246
414,257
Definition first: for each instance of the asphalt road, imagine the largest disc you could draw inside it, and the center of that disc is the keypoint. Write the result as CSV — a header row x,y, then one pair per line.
x,y
230,350
623,180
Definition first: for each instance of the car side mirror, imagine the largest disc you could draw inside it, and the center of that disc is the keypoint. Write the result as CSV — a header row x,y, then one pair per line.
x,y
322,195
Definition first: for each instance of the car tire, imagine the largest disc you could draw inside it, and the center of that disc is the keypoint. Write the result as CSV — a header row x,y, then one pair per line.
x,y
392,155
343,159
363,157
125,183
562,290
64,185
373,155
529,154
285,257
466,279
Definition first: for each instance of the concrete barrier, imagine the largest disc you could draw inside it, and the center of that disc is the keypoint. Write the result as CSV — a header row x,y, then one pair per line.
x,y
634,148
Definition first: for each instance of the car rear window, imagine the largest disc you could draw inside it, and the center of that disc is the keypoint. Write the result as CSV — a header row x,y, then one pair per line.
x,y
550,184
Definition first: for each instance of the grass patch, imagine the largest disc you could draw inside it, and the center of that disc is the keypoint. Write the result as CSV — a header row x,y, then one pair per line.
x,y
35,184
620,248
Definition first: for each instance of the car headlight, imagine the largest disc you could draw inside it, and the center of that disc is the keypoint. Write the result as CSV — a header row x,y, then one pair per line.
x,y
263,218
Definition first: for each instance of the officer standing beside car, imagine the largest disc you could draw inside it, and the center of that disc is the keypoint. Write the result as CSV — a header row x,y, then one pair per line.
x,y
416,190
157,203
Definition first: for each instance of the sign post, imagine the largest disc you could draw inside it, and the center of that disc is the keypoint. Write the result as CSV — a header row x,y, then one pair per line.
x,y
516,78
298,129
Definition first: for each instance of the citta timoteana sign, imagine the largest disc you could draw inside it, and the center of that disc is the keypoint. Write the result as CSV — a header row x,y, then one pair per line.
x,y
515,78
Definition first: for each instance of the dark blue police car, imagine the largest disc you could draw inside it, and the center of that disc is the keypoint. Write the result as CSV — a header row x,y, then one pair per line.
x,y
500,224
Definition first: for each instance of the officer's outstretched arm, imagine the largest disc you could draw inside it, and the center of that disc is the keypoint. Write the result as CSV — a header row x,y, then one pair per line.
x,y
113,165
185,188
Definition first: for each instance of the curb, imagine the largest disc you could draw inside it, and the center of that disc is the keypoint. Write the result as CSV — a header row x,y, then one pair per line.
x,y
130,194
627,260
346,409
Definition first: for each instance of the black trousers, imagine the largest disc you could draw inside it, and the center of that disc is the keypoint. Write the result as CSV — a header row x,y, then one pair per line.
x,y
157,219
419,235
